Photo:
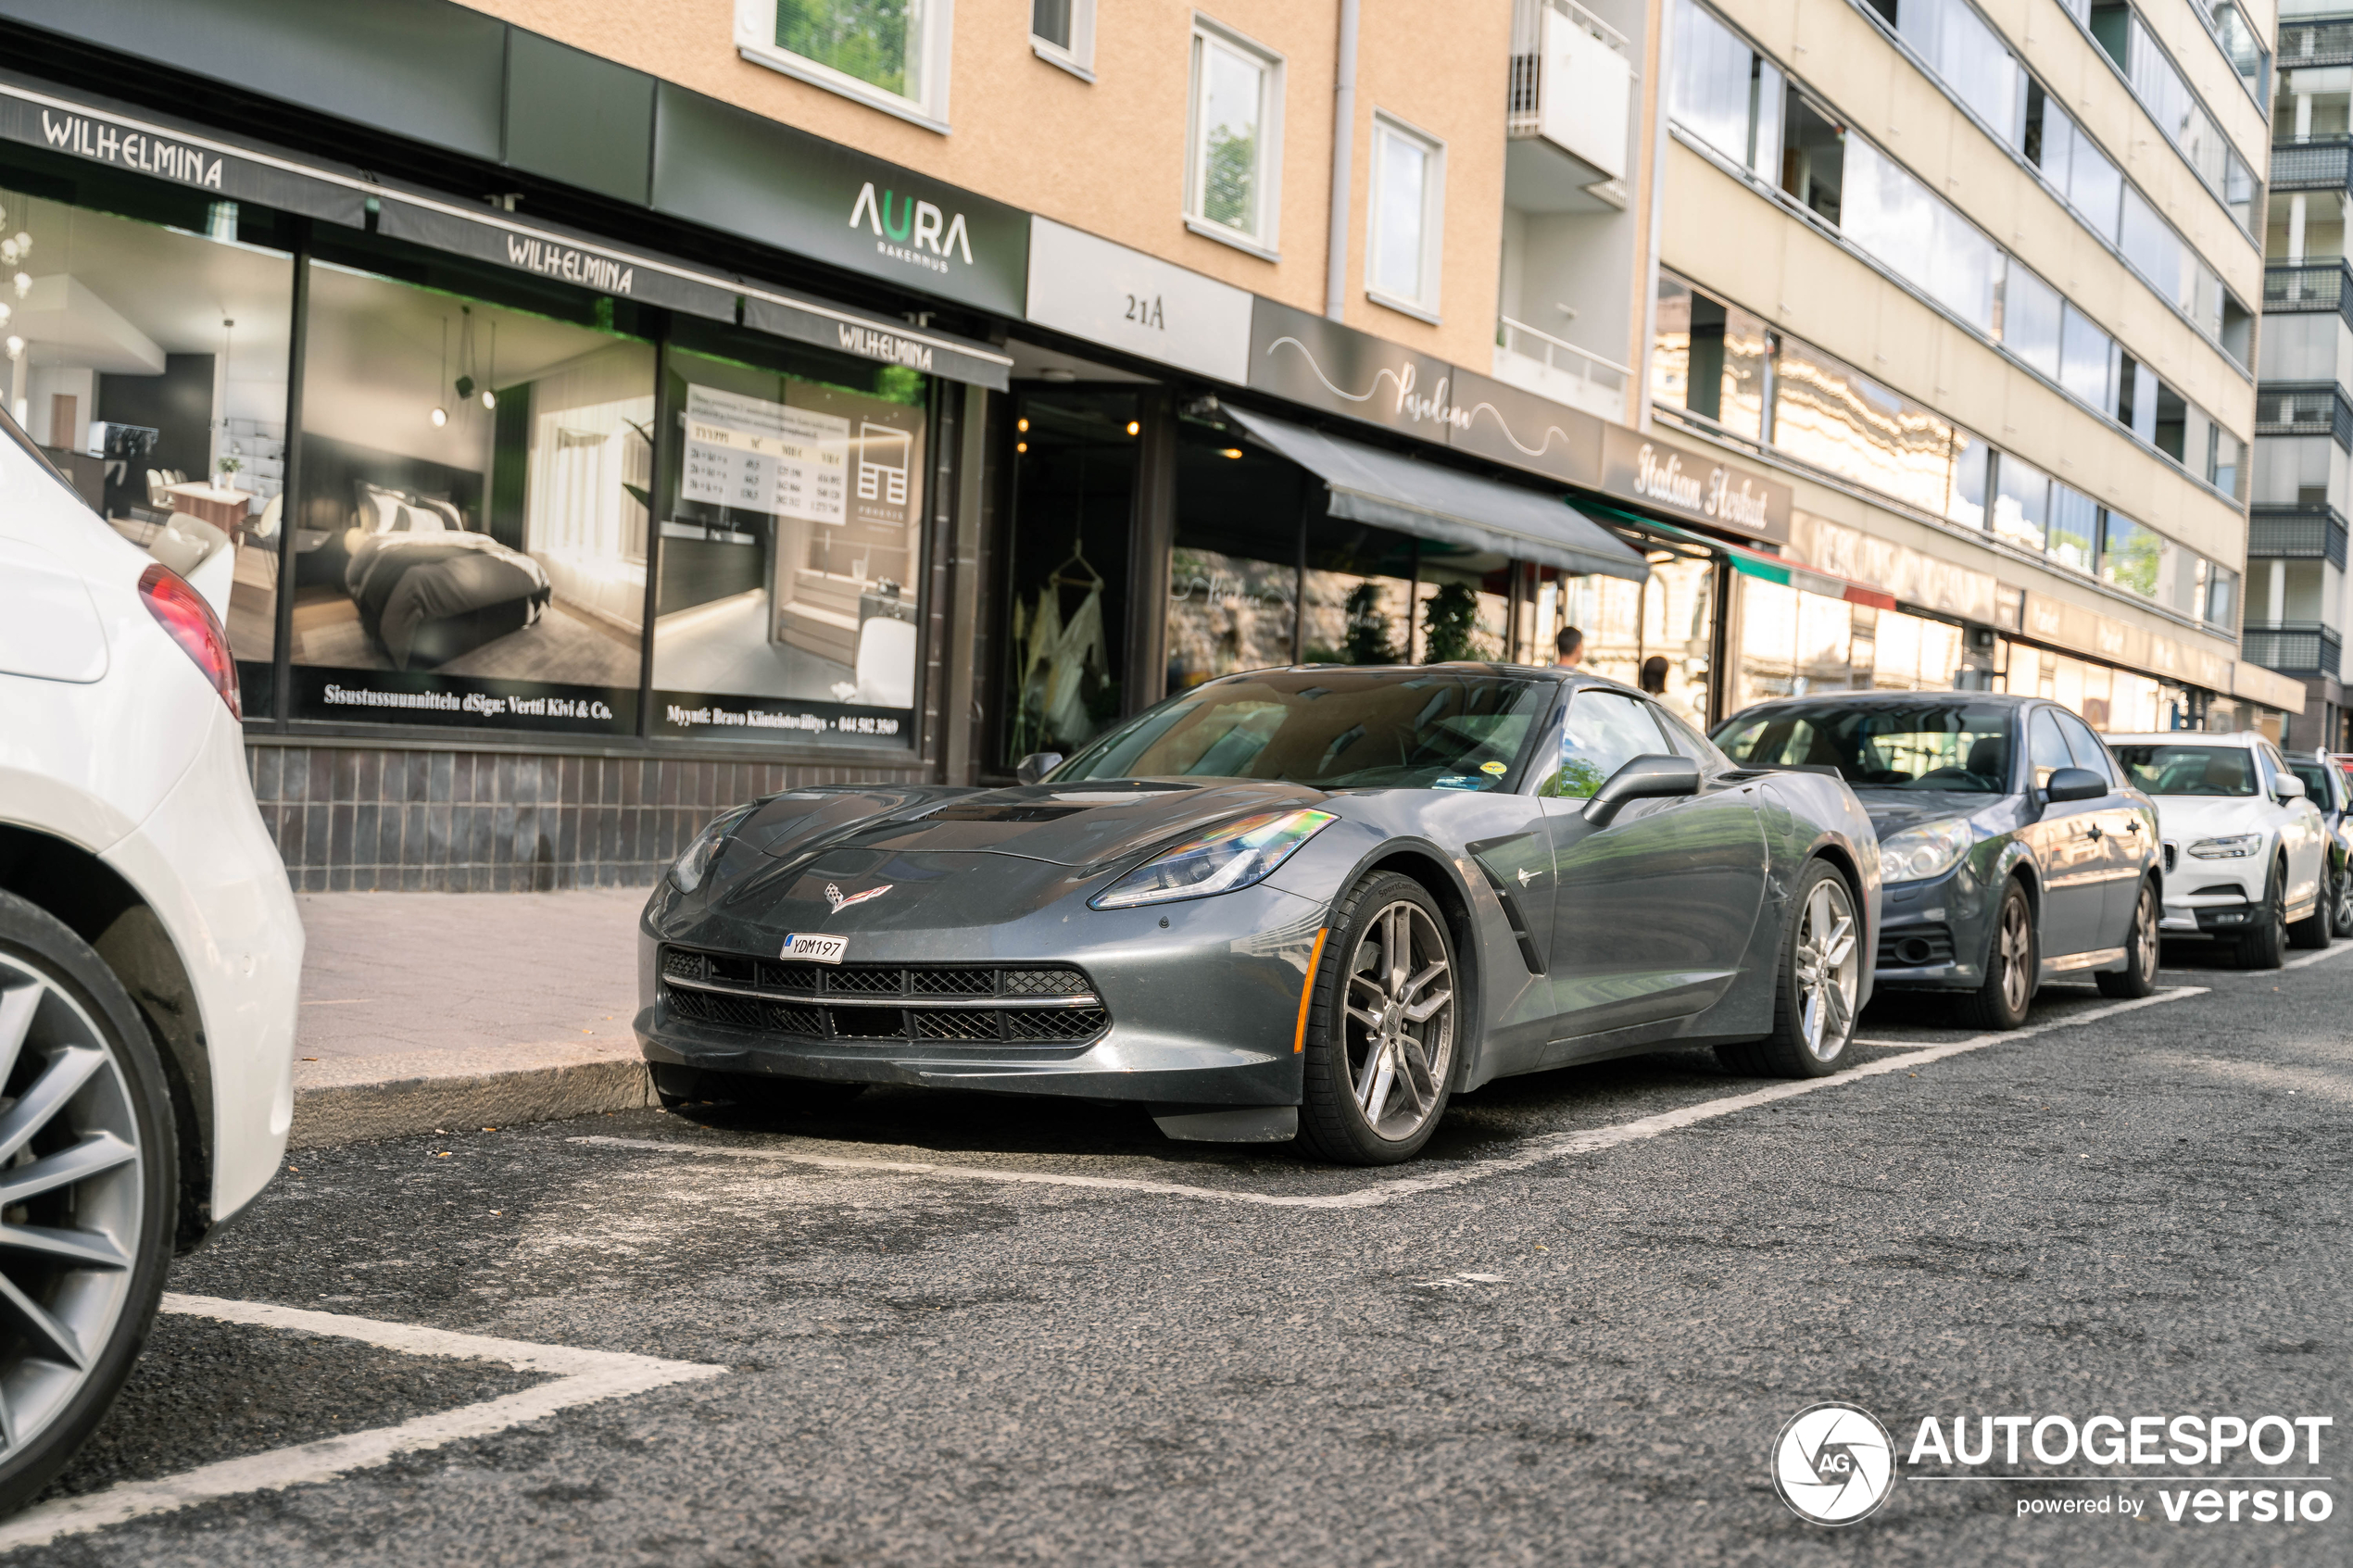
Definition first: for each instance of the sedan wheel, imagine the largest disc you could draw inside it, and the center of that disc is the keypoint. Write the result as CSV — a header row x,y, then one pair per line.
x,y
1381,1055
2138,977
85,1187
1820,984
2341,901
2011,962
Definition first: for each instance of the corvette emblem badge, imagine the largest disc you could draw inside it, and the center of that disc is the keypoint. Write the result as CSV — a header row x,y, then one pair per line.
x,y
834,896
1525,876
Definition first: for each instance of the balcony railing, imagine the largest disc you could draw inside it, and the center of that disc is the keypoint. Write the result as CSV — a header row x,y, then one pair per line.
x,y
2297,534
2320,164
2303,410
1527,56
2315,44
2293,647
2314,287
1565,359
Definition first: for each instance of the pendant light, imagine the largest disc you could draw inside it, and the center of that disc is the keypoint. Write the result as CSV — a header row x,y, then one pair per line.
x,y
490,398
440,416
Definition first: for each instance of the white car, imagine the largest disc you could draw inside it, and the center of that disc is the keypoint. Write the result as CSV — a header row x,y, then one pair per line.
x,y
2245,852
150,953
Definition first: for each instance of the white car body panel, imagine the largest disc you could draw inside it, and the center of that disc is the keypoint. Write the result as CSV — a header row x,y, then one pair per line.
x,y
142,765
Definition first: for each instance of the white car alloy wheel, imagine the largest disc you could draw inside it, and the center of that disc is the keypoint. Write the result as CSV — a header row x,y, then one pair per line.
x,y
1829,969
83,1226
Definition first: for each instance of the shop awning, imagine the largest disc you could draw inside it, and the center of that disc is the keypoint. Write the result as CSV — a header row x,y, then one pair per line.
x,y
1429,502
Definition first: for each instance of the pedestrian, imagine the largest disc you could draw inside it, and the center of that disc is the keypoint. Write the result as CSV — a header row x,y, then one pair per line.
x,y
1571,647
1655,675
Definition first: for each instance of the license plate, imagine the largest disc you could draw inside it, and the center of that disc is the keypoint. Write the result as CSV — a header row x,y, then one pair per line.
x,y
816,949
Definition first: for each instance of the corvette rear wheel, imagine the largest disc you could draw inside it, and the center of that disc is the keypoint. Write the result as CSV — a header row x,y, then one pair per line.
x,y
88,1169
1821,978
1380,1033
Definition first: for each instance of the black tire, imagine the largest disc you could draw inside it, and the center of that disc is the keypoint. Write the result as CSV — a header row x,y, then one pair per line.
x,y
2313,931
691,1091
2011,968
58,998
2264,944
2142,942
1818,976
1344,1052
2341,901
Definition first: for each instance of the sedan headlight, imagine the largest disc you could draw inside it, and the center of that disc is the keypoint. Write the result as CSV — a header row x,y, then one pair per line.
x,y
1241,852
2234,848
1932,849
690,868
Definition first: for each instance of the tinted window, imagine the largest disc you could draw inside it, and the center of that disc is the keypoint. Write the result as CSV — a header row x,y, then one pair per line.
x,y
2315,774
1602,733
1934,745
2048,747
2085,746
2173,769
1333,729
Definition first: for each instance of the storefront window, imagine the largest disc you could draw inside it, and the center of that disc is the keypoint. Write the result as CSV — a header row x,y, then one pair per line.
x,y
470,546
1677,627
1233,582
1464,610
1074,480
1766,665
1359,593
791,544
149,364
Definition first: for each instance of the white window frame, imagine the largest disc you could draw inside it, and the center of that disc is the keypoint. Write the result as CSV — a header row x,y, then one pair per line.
x,y
1266,244
1422,307
1080,57
756,41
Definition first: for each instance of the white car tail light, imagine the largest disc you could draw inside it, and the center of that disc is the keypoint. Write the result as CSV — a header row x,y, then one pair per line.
x,y
182,611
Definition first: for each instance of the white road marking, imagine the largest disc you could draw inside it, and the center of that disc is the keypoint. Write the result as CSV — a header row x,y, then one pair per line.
x,y
1536,1152
2331,951
581,1377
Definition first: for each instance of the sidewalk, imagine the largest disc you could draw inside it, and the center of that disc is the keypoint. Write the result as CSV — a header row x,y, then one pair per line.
x,y
440,1009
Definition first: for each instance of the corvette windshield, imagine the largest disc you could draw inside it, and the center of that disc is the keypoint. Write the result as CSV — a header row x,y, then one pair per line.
x,y
1936,745
2189,770
1333,729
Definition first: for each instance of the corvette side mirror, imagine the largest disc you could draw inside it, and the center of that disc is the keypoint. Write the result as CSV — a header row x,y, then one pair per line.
x,y
1644,778
2287,786
2075,784
1036,765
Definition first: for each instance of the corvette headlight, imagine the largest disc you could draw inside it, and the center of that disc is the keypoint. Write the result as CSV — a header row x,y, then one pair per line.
x,y
690,868
2235,849
1917,854
1244,851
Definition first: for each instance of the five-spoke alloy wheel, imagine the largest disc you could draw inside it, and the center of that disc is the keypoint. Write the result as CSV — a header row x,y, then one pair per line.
x,y
1381,1038
1820,986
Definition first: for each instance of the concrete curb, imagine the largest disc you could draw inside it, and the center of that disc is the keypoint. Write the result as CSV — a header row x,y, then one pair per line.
x,y
362,1098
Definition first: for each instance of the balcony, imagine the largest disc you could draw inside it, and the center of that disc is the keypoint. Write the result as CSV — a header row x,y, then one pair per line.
x,y
1546,366
2304,44
2297,534
1570,97
2303,410
2311,288
2293,647
2320,164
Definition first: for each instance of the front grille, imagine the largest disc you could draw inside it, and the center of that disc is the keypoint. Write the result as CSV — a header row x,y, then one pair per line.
x,y
960,1005
1915,947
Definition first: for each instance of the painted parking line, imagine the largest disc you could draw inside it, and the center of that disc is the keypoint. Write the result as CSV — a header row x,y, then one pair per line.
x,y
1536,1152
579,1377
2323,956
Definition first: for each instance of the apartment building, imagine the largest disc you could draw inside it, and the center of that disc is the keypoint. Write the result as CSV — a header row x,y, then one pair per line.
x,y
586,416
2296,609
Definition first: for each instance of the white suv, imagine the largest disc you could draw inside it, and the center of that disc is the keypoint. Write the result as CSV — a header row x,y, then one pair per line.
x,y
2246,853
150,953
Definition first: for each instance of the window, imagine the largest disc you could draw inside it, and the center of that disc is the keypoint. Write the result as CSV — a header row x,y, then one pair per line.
x,y
1408,217
1602,733
2022,503
1063,31
1829,414
2084,353
1711,359
2221,597
2046,749
1712,95
2031,313
1236,137
2130,555
889,54
1813,157
2089,754
2075,527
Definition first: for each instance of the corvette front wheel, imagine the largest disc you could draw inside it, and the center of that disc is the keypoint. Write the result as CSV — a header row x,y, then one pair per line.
x,y
1381,1031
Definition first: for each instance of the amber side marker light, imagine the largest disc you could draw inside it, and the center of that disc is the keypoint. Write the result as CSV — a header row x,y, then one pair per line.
x,y
1307,993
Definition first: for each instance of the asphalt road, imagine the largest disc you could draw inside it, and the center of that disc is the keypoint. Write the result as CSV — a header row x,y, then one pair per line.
x,y
958,1330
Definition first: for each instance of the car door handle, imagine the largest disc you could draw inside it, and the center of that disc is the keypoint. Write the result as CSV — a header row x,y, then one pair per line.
x,y
2093,829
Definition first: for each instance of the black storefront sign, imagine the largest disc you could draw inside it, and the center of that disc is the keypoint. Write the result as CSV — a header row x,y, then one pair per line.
x,y
878,337
546,254
1520,429
743,173
1692,485
139,145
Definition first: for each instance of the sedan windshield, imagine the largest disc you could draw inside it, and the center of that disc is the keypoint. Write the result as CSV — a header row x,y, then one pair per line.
x,y
1332,729
2171,769
1936,745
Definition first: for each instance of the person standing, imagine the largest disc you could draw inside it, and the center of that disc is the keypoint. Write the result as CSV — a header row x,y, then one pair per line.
x,y
1570,647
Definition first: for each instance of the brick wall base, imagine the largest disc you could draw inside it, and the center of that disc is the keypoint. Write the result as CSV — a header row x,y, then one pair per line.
x,y
368,819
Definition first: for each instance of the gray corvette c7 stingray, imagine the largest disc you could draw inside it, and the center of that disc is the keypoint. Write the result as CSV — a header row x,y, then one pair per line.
x,y
1305,903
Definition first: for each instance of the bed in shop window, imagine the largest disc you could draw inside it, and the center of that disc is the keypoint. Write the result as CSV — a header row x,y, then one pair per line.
x,y
428,588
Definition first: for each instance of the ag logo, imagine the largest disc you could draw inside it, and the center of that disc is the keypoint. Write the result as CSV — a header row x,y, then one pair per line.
x,y
1833,1464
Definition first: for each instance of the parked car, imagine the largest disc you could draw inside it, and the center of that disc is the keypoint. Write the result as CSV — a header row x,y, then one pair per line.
x,y
2246,853
1310,902
2326,786
149,957
2011,849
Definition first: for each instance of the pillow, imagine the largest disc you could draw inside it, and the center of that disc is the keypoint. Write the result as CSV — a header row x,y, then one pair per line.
x,y
382,509
452,519
418,520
